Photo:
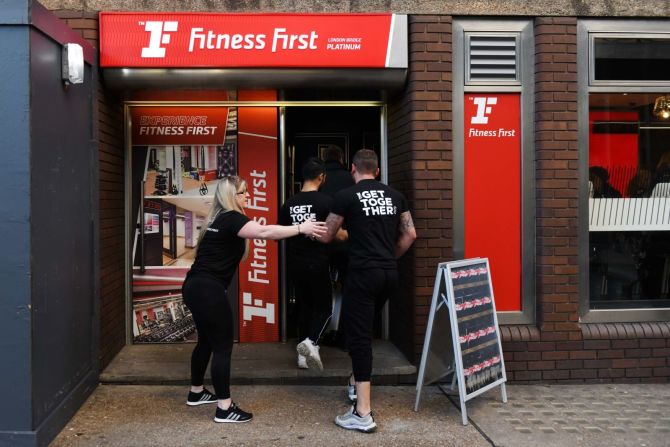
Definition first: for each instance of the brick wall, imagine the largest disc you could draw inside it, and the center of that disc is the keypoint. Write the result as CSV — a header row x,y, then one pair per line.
x,y
111,194
559,348
420,165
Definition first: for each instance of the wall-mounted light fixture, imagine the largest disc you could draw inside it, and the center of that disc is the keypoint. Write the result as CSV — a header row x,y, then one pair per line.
x,y
72,64
662,107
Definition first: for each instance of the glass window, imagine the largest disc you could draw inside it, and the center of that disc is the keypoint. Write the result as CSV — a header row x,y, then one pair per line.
x,y
629,200
631,59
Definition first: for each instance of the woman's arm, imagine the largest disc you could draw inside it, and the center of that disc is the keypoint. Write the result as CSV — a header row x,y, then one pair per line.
x,y
254,230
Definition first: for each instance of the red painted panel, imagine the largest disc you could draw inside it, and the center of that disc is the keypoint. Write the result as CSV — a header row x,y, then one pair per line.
x,y
259,273
493,190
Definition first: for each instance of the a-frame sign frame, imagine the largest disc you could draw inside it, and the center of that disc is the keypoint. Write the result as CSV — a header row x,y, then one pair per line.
x,y
463,294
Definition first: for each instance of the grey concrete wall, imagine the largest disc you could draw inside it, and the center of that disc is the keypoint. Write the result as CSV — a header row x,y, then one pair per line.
x,y
595,8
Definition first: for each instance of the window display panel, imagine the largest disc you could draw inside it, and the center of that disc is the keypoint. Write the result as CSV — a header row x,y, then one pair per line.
x,y
177,155
629,200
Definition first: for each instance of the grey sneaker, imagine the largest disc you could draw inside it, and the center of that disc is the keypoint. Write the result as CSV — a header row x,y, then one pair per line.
x,y
311,353
351,420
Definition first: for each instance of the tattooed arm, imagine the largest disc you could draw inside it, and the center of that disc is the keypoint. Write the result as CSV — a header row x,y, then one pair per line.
x,y
333,223
407,234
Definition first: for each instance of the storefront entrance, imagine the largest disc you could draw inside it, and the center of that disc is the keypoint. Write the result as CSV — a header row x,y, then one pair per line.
x,y
177,152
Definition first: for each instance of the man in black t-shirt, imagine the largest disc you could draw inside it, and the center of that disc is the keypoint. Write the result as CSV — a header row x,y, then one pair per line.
x,y
337,175
338,178
308,263
380,230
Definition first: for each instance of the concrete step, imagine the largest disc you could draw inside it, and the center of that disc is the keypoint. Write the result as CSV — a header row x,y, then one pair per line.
x,y
254,363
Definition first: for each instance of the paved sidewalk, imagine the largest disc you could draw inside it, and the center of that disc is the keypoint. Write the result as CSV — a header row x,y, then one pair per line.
x,y
575,415
157,416
608,415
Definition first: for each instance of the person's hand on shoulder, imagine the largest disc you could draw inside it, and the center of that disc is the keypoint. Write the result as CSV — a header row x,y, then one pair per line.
x,y
313,229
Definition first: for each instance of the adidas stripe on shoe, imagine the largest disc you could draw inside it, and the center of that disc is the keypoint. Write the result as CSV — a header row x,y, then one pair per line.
x,y
233,415
203,397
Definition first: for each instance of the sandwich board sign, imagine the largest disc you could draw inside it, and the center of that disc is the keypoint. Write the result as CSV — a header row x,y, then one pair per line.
x,y
462,336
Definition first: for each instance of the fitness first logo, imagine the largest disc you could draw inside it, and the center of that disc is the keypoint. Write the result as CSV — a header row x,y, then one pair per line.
x,y
158,35
484,109
479,123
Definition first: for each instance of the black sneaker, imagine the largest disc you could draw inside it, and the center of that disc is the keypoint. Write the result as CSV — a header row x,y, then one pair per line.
x,y
203,397
234,415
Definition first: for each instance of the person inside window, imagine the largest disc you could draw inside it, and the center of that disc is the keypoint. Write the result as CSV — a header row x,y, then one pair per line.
x,y
599,177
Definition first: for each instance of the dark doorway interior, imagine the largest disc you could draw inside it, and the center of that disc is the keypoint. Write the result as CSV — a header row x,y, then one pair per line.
x,y
309,131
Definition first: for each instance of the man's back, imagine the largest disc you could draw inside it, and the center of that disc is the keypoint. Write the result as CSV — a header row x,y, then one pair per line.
x,y
371,212
304,206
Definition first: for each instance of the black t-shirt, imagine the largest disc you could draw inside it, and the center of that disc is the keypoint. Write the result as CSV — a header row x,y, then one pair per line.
x,y
221,249
304,206
337,178
371,212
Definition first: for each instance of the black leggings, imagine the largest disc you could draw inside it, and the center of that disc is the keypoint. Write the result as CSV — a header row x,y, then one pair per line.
x,y
314,299
365,293
207,299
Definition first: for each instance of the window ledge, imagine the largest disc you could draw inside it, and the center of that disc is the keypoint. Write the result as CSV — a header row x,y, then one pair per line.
x,y
512,333
610,331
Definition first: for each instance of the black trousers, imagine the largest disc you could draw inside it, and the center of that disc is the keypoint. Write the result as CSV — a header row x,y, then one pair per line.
x,y
314,298
365,292
207,299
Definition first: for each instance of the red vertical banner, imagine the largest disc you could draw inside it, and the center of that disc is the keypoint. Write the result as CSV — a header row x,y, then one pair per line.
x,y
492,174
259,273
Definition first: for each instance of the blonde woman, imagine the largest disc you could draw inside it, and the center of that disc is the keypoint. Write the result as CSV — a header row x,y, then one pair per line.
x,y
223,244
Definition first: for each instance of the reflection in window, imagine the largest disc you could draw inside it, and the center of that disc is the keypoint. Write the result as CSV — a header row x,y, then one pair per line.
x,y
629,202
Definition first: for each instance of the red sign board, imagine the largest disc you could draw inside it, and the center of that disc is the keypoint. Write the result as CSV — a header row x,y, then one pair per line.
x,y
259,273
178,125
140,39
493,190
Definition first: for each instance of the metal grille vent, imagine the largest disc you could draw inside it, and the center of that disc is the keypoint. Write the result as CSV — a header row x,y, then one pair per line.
x,y
493,58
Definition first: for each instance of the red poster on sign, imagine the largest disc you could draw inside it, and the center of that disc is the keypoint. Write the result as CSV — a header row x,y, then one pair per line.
x,y
259,274
141,39
181,126
492,125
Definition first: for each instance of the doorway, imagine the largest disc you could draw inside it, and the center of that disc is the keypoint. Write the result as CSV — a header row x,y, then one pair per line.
x,y
310,132
172,179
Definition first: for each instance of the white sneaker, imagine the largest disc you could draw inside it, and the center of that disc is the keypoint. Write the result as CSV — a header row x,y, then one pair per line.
x,y
311,353
302,362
